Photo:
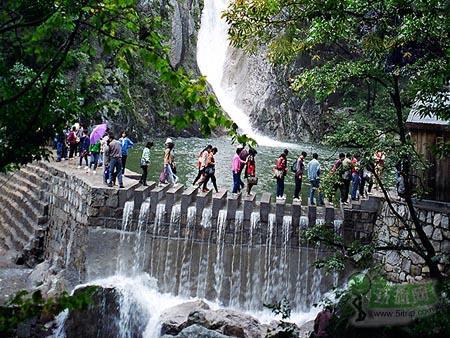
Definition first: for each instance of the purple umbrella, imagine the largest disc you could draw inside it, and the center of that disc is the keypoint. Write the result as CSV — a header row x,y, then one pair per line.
x,y
97,133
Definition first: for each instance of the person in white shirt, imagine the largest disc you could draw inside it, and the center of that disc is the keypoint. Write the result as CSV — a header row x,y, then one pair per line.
x,y
145,161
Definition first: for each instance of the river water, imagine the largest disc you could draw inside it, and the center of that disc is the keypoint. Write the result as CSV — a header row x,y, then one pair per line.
x,y
186,154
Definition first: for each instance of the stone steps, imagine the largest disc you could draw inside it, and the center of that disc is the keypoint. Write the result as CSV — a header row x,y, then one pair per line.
x,y
30,200
14,236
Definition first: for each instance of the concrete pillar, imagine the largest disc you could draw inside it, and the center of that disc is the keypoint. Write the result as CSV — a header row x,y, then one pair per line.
x,y
156,194
141,193
232,206
218,202
296,212
202,200
312,215
279,211
187,197
172,196
249,203
264,208
329,216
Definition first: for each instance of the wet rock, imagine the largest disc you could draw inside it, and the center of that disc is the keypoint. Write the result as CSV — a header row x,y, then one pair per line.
x,y
197,331
172,320
225,322
101,318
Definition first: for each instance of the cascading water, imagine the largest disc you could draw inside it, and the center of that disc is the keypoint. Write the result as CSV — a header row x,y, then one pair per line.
x,y
185,278
139,248
206,223
213,57
337,225
220,244
169,278
235,283
122,256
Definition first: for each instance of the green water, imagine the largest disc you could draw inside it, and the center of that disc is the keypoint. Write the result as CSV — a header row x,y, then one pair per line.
x,y
186,153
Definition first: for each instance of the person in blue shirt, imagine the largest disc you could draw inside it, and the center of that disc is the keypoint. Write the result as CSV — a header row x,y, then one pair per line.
x,y
126,145
314,179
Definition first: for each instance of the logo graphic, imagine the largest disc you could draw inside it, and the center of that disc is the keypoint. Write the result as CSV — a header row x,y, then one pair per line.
x,y
378,302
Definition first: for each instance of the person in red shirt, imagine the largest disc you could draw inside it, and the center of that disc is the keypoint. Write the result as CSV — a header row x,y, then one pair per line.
x,y
280,171
322,322
250,171
72,140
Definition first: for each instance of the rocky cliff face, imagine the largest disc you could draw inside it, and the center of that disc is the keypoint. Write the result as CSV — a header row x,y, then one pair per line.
x,y
263,93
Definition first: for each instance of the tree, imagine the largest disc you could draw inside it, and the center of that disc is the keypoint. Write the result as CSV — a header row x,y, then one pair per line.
x,y
42,42
397,50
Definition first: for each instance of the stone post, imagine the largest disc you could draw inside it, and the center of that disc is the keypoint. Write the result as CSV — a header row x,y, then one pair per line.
x,y
312,215
218,202
329,216
203,199
264,208
232,206
187,197
172,196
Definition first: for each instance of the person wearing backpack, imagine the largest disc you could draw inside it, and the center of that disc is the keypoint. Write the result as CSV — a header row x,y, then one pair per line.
x,y
280,171
298,167
346,178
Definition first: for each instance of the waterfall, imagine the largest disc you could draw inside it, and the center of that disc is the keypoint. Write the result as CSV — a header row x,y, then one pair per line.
x,y
235,283
214,57
337,225
155,246
206,223
285,272
269,260
139,248
123,254
170,277
220,244
304,222
206,218
252,278
186,265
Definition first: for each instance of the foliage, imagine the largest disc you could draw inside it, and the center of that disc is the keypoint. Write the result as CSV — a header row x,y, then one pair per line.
x,y
57,57
24,306
381,57
284,329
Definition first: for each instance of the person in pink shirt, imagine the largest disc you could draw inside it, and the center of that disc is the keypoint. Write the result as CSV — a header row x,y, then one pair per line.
x,y
236,170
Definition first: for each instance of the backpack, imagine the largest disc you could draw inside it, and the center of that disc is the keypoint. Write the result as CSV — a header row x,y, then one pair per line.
x,y
294,166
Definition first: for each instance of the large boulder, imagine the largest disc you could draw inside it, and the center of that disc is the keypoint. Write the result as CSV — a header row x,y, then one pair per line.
x,y
173,319
178,320
196,331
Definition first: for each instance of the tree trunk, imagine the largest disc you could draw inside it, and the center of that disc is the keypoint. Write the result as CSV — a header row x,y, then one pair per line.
x,y
424,240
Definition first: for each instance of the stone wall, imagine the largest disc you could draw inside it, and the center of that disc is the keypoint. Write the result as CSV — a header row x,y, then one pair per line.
x,y
407,266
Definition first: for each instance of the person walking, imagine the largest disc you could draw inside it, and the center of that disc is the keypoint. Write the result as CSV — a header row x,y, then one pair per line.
x,y
201,162
105,159
243,156
298,175
94,149
61,147
313,170
346,178
145,161
84,150
236,170
280,171
169,169
210,171
115,161
250,171
72,141
356,179
126,145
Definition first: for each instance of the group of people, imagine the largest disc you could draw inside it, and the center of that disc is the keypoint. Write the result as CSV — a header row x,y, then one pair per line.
x,y
112,153
96,151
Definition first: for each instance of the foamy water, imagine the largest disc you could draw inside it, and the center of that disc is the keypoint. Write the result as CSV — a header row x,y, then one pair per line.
x,y
142,290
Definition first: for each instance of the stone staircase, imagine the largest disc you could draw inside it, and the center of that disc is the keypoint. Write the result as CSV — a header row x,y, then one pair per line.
x,y
23,215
